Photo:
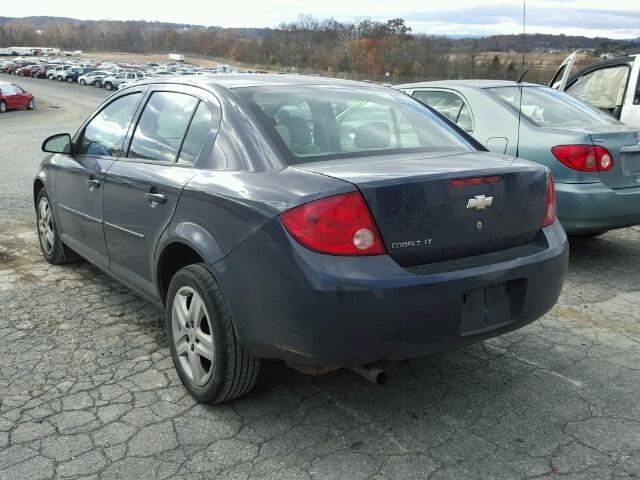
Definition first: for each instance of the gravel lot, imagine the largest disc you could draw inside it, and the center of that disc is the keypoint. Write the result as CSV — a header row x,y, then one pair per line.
x,y
88,390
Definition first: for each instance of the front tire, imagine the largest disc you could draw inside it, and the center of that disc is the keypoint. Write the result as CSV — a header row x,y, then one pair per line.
x,y
70,79
31,105
108,86
211,364
53,250
82,82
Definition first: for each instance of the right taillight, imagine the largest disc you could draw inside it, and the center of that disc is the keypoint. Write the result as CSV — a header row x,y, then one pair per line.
x,y
584,158
549,203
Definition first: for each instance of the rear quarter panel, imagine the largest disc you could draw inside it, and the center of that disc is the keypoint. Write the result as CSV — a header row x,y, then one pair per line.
x,y
219,209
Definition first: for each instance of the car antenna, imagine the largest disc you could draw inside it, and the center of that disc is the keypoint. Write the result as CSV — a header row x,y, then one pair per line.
x,y
524,72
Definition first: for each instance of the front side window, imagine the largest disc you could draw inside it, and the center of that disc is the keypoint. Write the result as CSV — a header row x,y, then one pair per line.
x,y
162,126
448,104
16,88
313,122
106,132
549,108
603,88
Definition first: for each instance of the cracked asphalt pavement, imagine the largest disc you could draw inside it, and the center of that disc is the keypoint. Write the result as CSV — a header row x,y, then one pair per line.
x,y
88,389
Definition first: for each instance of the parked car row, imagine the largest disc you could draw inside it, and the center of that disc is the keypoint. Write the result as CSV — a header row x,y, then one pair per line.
x,y
99,74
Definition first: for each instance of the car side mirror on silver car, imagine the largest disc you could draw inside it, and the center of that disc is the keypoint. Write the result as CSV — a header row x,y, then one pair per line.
x,y
59,143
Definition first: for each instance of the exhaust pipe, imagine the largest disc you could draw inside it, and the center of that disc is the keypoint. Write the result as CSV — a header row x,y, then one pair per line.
x,y
374,375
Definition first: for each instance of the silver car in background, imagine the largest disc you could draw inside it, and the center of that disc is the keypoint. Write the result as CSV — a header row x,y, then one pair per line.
x,y
114,81
93,78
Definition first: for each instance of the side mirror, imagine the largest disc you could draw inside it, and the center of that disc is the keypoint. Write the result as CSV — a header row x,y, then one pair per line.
x,y
59,143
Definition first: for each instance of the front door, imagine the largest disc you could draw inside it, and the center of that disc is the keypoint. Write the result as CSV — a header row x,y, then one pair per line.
x,y
559,79
80,178
631,108
141,191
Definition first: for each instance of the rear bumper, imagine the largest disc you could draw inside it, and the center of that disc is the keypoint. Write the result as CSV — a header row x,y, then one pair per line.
x,y
293,304
593,207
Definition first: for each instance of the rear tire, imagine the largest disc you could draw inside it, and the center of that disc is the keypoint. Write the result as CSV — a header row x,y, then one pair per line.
x,y
97,83
232,371
3,106
70,79
53,250
51,77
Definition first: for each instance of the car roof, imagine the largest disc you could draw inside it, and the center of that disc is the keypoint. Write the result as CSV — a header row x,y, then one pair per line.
x,y
231,80
479,83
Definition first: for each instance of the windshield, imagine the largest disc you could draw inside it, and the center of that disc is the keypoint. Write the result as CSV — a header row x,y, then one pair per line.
x,y
312,122
549,108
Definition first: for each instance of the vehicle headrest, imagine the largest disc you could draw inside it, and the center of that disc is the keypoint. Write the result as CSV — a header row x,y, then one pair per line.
x,y
372,135
299,131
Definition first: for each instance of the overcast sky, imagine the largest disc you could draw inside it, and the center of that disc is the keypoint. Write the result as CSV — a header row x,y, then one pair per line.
x,y
611,18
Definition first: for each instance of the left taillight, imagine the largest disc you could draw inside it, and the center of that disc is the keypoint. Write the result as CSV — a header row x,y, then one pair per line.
x,y
337,225
549,203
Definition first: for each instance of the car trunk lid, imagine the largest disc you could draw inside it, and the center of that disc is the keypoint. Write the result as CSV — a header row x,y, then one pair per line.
x,y
423,218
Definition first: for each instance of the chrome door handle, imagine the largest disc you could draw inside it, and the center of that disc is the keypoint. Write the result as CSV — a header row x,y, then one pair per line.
x,y
155,198
93,183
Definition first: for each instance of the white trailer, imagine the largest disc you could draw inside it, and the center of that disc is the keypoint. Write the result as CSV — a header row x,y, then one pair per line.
x,y
176,57
32,51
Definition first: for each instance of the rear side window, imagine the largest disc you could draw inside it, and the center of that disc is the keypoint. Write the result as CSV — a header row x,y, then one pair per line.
x,y
196,135
162,126
448,104
105,134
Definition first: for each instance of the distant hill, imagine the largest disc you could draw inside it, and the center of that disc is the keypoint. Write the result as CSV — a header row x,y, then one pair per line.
x,y
535,41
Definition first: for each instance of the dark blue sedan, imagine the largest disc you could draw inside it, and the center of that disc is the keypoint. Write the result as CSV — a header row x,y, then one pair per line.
x,y
325,223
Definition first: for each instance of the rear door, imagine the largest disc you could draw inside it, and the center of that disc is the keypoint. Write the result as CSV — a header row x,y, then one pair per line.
x,y
142,190
80,177
9,95
559,79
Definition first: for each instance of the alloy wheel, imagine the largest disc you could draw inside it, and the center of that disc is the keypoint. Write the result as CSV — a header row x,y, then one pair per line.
x,y
192,336
45,226
3,107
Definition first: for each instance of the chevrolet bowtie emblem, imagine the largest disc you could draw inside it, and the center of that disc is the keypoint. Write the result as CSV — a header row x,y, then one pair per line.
x,y
479,202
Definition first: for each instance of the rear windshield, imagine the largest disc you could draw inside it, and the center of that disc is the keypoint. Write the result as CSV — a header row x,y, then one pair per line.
x,y
313,122
549,108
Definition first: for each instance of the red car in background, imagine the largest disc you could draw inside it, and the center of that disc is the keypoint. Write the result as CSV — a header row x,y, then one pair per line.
x,y
29,71
12,96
